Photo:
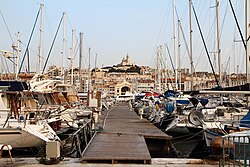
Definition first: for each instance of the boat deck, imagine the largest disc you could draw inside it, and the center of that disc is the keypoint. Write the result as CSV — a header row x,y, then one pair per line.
x,y
123,138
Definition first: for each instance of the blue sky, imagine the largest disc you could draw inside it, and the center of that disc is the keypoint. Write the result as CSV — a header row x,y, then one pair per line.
x,y
113,28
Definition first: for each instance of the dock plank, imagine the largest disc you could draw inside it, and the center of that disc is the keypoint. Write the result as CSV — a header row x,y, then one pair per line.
x,y
122,120
117,147
123,138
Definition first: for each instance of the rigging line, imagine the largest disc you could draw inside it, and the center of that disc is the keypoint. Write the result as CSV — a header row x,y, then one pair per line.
x,y
164,66
186,139
28,58
76,52
165,74
161,59
184,11
195,43
172,64
211,28
222,25
48,15
75,34
161,63
77,46
202,11
185,41
171,61
69,22
227,64
190,141
237,24
47,20
238,11
52,44
218,84
26,50
30,49
164,59
4,65
223,21
210,31
165,19
183,56
6,26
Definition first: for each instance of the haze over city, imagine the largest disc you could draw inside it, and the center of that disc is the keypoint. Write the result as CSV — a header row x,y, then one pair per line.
x,y
114,28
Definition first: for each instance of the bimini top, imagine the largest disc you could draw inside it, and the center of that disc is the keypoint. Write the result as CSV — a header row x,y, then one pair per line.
x,y
14,85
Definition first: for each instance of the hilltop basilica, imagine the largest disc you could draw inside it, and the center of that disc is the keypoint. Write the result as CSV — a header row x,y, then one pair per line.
x,y
128,77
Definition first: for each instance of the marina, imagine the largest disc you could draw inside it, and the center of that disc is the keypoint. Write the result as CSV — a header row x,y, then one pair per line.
x,y
123,137
152,83
133,141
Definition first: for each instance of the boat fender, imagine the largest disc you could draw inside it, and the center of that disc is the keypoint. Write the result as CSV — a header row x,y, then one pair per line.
x,y
218,144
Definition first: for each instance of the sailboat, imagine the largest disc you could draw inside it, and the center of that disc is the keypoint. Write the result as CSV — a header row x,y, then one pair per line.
x,y
33,112
20,126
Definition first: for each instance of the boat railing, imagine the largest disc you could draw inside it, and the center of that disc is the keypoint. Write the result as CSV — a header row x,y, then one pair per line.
x,y
235,150
79,140
5,110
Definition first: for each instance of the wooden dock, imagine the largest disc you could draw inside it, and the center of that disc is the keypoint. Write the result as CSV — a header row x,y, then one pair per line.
x,y
125,139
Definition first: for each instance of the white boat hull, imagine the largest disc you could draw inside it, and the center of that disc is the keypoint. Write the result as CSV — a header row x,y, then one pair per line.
x,y
19,138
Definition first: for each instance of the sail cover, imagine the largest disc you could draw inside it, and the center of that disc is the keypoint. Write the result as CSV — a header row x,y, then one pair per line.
x,y
245,121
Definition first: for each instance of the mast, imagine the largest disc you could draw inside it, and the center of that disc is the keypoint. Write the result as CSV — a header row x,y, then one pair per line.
x,y
247,43
161,87
247,47
191,44
17,49
89,77
229,79
41,38
218,41
27,47
176,71
95,60
72,58
179,55
157,72
80,60
158,81
64,45
165,68
95,70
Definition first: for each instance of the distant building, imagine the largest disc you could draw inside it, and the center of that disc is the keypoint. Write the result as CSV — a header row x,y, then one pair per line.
x,y
128,77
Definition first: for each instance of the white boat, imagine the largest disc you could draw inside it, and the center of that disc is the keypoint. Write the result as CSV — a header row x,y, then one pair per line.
x,y
25,116
26,133
126,97
20,125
